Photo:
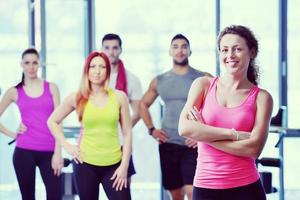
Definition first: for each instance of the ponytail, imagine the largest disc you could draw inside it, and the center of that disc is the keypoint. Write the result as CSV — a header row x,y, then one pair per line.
x,y
21,83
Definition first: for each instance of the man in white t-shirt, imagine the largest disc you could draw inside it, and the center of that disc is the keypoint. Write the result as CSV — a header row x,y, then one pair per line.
x,y
124,80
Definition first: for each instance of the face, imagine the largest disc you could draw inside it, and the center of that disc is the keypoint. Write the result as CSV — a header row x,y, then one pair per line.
x,y
112,49
97,71
180,51
30,65
235,54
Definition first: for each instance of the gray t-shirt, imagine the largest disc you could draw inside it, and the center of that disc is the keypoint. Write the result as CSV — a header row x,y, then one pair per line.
x,y
173,90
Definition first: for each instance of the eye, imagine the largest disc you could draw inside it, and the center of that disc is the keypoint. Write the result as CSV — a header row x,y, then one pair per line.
x,y
238,49
224,50
184,46
92,66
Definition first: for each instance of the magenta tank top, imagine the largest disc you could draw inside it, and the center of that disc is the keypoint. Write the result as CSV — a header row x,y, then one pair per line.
x,y
217,169
35,112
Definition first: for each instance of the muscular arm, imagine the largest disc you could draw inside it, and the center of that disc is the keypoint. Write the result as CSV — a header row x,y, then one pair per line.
x,y
196,129
9,97
147,100
253,146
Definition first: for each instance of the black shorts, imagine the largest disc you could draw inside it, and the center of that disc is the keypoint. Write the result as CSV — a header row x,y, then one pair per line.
x,y
178,165
131,169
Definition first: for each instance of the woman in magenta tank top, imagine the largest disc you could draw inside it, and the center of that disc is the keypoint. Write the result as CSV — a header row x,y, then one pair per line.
x,y
35,145
229,117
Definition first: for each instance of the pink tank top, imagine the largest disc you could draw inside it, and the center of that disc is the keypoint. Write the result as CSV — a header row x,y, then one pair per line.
x,y
35,112
217,169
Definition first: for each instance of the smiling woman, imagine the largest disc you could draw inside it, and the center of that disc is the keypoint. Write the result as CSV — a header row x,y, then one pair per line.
x,y
231,124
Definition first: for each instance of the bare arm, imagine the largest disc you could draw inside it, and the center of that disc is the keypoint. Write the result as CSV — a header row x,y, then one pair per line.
x,y
9,97
147,100
196,129
253,146
57,161
56,100
126,128
120,175
59,114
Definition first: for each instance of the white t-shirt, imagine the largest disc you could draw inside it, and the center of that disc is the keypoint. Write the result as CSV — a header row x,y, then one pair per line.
x,y
134,86
134,90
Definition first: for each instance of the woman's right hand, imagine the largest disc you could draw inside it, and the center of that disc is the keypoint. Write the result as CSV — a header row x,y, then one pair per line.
x,y
242,135
74,151
21,129
120,178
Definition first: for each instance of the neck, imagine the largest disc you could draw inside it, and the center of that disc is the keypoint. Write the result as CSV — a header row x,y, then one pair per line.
x,y
31,81
180,69
97,89
235,82
114,67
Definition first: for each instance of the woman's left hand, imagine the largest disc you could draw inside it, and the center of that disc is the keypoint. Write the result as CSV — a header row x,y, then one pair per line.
x,y
57,163
120,177
195,114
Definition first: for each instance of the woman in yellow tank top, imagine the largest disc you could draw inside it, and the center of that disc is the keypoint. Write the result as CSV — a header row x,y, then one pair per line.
x,y
98,155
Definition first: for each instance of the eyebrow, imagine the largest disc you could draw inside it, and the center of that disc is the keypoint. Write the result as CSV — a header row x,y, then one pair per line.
x,y
232,46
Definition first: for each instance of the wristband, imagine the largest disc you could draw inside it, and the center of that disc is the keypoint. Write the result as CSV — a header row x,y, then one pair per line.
x,y
150,130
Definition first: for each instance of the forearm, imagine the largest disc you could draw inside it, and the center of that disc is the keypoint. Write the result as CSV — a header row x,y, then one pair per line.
x,y
201,132
127,149
58,134
57,149
145,115
7,132
245,148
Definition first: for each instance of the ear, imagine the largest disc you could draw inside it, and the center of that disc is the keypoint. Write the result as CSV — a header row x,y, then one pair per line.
x,y
190,53
253,53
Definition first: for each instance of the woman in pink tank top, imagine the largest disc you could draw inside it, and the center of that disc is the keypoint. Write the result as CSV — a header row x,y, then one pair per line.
x,y
35,145
229,117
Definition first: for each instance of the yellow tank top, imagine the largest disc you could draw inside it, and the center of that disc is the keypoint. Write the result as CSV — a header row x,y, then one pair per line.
x,y
99,143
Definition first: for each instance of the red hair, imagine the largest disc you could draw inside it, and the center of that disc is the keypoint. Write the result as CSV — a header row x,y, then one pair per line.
x,y
85,85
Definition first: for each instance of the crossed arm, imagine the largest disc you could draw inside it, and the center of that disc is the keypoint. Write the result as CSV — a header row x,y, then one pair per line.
x,y
222,138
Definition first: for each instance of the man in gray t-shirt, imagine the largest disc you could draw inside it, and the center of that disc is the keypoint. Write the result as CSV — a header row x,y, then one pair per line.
x,y
177,154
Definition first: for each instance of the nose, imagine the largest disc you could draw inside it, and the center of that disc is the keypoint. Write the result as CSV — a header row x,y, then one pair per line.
x,y
231,53
97,70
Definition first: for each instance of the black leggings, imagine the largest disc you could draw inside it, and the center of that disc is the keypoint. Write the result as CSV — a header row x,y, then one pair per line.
x,y
88,178
25,162
253,191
